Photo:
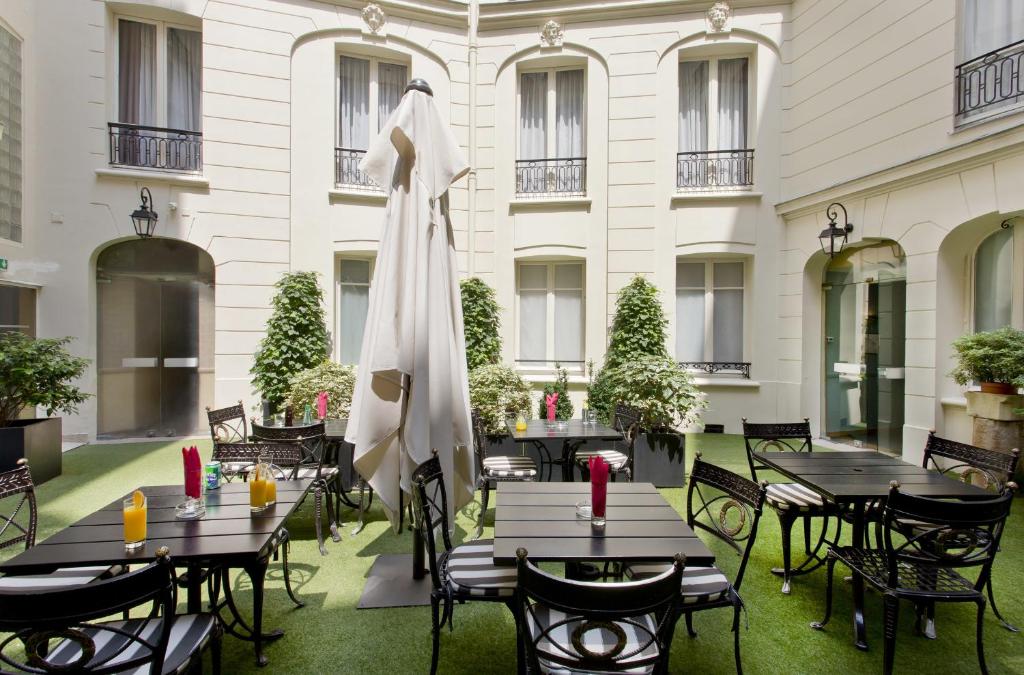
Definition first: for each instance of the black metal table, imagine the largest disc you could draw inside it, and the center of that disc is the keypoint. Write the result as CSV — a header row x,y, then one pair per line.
x,y
573,434
230,536
856,479
641,526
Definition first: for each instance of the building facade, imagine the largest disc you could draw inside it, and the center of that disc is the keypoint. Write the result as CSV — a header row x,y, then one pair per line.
x,y
699,144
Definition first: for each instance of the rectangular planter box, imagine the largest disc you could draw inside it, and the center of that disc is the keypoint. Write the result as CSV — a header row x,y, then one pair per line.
x,y
653,463
38,441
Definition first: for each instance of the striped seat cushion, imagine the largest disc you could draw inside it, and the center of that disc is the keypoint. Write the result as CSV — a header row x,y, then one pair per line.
x,y
786,496
510,467
189,634
471,571
615,459
700,584
559,643
309,472
63,577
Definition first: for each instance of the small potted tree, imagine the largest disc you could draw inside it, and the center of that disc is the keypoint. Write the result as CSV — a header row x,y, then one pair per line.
x,y
36,372
497,392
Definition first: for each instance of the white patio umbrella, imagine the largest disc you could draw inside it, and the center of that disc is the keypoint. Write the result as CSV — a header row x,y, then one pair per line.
x,y
412,392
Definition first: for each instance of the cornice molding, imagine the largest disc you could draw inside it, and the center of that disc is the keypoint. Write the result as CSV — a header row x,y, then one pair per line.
x,y
529,12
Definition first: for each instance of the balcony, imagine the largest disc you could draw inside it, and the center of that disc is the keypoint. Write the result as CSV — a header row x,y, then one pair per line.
x,y
142,147
347,173
989,82
539,178
740,368
714,169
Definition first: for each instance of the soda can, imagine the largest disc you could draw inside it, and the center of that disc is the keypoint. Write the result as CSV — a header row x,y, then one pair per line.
x,y
211,471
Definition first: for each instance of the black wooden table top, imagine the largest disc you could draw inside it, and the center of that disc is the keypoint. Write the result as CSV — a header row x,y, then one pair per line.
x,y
865,475
641,525
538,430
230,531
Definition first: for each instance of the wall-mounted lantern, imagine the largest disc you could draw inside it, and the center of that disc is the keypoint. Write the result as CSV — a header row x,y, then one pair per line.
x,y
144,218
833,238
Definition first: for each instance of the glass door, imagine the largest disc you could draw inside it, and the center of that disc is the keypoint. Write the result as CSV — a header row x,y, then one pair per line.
x,y
865,325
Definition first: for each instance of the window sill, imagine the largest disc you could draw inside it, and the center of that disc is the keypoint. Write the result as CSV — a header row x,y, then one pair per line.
x,y
534,377
170,177
545,202
717,196
732,382
344,195
985,117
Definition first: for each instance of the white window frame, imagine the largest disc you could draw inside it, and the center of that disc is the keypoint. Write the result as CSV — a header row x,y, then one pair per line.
x,y
550,123
549,344
10,240
709,303
338,283
1016,280
711,114
375,62
161,65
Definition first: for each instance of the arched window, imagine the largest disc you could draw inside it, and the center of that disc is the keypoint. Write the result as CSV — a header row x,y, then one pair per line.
x,y
993,281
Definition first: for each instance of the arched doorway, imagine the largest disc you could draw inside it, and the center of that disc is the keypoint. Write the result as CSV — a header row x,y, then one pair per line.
x,y
865,294
155,308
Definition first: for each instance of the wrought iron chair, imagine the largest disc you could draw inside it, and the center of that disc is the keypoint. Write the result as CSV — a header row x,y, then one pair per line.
x,y
228,425
926,566
160,642
728,506
18,526
457,573
627,422
792,501
317,465
496,469
581,626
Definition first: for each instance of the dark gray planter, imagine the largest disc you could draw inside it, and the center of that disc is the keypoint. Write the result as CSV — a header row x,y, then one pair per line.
x,y
38,441
660,458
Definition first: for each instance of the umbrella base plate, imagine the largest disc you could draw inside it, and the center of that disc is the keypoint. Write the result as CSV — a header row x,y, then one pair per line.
x,y
390,584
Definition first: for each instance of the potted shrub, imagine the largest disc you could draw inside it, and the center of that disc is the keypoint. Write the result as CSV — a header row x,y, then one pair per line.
x,y
481,321
563,407
496,391
336,379
36,372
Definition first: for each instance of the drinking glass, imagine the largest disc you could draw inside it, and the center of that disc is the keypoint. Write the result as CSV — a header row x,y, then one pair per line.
x,y
134,524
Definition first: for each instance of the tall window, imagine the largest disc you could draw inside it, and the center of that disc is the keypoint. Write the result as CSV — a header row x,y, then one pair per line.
x,y
18,310
713,123
551,314
993,281
989,76
552,152
369,91
354,275
10,143
709,311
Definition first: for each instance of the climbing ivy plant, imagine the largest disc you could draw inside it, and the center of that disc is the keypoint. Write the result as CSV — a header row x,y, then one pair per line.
x,y
481,321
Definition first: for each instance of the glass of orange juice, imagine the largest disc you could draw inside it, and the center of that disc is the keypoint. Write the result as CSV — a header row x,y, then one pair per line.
x,y
135,521
258,488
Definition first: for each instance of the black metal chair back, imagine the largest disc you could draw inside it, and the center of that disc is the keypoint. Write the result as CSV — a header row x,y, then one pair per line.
x,y
479,441
625,417
18,498
989,469
312,438
228,425
556,606
286,458
939,534
726,505
775,437
430,509
36,618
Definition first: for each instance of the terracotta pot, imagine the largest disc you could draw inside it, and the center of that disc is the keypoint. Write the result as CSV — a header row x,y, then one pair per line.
x,y
998,388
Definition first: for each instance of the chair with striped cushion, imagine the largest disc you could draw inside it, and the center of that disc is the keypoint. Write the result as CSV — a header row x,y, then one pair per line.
x,y
568,626
620,459
729,507
496,468
792,501
457,573
18,526
59,629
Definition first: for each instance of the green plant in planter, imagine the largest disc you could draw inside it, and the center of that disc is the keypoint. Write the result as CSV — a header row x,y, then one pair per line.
x,y
38,372
496,391
481,320
296,338
990,357
563,407
659,388
337,380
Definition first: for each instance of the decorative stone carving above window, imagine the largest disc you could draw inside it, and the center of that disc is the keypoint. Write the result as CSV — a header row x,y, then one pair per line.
x,y
551,34
718,17
374,18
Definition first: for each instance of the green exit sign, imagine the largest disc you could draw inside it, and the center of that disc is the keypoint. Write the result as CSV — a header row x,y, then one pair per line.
x,y
3,264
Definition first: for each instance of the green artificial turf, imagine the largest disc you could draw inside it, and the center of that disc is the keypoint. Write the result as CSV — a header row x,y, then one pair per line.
x,y
330,635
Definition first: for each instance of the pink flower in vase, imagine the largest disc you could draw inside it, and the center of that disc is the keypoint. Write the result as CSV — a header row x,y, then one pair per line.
x,y
551,400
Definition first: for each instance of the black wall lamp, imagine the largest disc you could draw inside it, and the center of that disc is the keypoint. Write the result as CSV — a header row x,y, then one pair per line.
x,y
144,218
835,232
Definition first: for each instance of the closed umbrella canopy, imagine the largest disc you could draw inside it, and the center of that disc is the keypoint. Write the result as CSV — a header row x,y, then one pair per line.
x,y
412,392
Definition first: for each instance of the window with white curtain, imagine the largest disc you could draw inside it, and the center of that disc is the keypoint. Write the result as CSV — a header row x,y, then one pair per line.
x,y
709,310
989,29
354,276
10,142
369,90
550,314
552,148
993,281
713,110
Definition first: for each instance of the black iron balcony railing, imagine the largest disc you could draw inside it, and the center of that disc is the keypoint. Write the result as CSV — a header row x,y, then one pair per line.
x,y
711,169
145,147
346,170
713,367
543,177
990,81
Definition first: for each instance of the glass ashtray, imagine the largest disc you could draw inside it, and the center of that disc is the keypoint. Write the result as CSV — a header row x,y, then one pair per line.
x,y
190,509
583,509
